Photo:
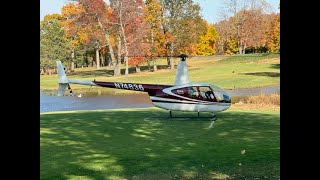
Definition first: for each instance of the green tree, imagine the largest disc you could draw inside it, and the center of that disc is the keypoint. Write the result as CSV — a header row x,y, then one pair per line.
x,y
53,45
179,24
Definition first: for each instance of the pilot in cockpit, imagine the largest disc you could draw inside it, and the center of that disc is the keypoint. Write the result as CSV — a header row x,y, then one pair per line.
x,y
192,92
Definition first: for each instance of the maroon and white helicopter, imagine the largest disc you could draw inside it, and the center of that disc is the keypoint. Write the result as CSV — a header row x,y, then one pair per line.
x,y
182,96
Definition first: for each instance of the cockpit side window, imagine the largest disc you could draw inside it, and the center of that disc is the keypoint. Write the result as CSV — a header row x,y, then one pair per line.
x,y
197,92
193,92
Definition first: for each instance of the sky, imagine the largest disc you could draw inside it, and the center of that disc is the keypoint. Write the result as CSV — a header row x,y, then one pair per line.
x,y
209,8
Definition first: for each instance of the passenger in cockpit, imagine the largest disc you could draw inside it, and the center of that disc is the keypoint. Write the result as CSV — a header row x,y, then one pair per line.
x,y
192,92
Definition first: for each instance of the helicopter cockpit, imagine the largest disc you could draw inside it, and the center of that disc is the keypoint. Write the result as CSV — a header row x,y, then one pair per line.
x,y
204,93
220,94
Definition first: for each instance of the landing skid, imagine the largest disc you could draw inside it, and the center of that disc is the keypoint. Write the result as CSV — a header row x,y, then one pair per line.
x,y
213,117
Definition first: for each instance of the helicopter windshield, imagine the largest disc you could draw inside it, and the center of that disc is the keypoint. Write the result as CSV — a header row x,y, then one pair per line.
x,y
220,94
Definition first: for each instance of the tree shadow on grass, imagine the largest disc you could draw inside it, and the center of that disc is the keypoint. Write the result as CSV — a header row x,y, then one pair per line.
x,y
143,68
275,66
94,73
143,144
269,74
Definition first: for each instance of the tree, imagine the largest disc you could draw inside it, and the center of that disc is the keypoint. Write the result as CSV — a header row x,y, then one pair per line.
x,y
96,14
244,16
274,35
88,36
207,44
53,45
138,41
153,15
177,16
231,46
73,35
125,12
137,61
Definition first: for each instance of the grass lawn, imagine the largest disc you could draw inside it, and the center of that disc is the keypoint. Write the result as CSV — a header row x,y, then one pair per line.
x,y
230,72
144,144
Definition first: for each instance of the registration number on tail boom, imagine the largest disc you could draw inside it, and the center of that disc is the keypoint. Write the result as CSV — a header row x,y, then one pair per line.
x,y
138,87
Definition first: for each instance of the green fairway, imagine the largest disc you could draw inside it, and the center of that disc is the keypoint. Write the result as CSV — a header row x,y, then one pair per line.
x,y
145,144
230,72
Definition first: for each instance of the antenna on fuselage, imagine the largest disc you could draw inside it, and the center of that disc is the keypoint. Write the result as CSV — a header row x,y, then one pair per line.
x,y
182,76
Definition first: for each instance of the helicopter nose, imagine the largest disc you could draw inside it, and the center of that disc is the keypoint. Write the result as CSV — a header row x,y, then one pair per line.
x,y
227,98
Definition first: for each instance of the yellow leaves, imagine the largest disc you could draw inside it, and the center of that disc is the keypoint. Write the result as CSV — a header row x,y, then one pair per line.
x,y
75,43
152,12
83,37
274,35
232,47
207,42
72,9
52,16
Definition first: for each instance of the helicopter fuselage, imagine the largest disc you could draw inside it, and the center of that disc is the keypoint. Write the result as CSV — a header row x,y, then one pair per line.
x,y
197,97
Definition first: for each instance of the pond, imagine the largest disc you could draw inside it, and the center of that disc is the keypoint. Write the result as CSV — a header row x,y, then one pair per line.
x,y
67,103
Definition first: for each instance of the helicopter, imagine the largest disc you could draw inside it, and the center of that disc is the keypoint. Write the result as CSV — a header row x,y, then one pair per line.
x,y
182,96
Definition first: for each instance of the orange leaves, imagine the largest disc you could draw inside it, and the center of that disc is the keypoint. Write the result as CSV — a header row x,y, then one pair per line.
x,y
79,26
136,61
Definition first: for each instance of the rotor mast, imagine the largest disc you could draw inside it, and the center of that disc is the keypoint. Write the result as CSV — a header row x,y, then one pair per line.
x,y
182,76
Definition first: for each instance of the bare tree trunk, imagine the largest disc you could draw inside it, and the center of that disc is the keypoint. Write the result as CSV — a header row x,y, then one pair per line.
x,y
152,49
171,59
113,59
124,40
125,49
106,34
108,60
168,58
240,48
245,44
102,59
117,70
148,63
138,69
239,39
72,60
97,59
155,68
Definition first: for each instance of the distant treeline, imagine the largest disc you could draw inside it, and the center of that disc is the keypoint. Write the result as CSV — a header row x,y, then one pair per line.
x,y
96,33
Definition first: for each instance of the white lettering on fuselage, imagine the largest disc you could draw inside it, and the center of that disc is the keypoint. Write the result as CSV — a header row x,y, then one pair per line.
x,y
138,87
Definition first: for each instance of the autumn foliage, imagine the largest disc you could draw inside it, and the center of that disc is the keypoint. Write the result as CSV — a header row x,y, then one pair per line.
x,y
99,33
